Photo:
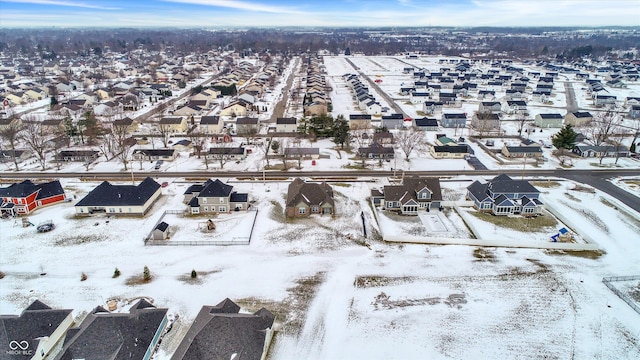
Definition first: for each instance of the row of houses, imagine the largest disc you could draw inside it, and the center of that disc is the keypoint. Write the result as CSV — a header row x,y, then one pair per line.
x,y
220,331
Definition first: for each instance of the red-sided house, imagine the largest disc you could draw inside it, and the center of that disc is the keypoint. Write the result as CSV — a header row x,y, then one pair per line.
x,y
23,198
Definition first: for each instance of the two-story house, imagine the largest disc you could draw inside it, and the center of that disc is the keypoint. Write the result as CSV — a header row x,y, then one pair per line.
x,y
503,195
214,197
415,193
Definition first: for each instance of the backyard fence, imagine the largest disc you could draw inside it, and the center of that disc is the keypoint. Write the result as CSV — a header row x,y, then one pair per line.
x,y
607,281
241,240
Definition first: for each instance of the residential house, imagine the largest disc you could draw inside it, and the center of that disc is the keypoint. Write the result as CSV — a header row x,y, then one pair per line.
x,y
602,100
188,110
130,124
376,151
383,137
600,151
121,335
85,156
24,197
485,122
449,151
34,333
359,121
578,118
154,154
521,151
234,109
227,153
182,145
211,124
247,126
493,107
414,194
503,195
303,153
306,198
20,154
453,120
419,97
426,124
430,107
222,332
120,199
286,125
13,122
548,120
214,197
174,124
516,107
392,121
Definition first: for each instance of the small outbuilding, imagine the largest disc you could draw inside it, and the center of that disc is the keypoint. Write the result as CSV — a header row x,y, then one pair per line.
x,y
161,231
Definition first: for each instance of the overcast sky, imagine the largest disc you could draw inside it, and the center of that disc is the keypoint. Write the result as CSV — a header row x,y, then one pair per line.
x,y
243,13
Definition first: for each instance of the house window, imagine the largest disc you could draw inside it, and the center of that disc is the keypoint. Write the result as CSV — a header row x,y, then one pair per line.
x,y
206,208
112,210
222,209
120,209
222,200
314,209
204,200
129,209
239,206
81,210
302,210
528,210
486,206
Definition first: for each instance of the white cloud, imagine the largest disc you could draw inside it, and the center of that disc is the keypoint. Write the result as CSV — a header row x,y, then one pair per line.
x,y
241,5
63,3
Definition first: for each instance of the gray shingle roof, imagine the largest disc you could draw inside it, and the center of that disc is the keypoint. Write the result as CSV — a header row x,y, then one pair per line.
x,y
220,331
107,194
309,193
104,335
35,322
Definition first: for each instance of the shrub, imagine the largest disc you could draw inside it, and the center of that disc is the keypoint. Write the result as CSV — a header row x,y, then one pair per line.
x,y
146,275
83,277
194,274
116,273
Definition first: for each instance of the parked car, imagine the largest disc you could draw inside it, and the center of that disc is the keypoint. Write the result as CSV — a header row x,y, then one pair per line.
x,y
158,164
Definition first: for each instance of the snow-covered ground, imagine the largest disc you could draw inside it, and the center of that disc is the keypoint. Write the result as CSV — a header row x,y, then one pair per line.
x,y
334,297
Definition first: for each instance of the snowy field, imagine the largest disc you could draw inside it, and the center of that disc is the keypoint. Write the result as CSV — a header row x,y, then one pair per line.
x,y
335,298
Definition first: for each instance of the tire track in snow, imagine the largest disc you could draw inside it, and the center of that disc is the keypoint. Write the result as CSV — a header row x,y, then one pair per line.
x,y
329,310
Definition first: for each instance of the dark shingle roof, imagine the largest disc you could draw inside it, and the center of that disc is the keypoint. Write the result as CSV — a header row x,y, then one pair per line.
x,y
409,188
104,335
209,120
27,188
37,321
220,331
309,193
107,194
215,189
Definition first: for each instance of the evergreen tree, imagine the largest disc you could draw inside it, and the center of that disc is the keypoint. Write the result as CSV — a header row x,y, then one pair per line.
x,y
565,139
341,131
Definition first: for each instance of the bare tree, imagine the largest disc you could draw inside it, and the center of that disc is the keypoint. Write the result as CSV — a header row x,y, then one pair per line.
x,y
221,151
164,130
361,136
603,126
484,123
11,134
123,143
408,140
521,119
36,139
